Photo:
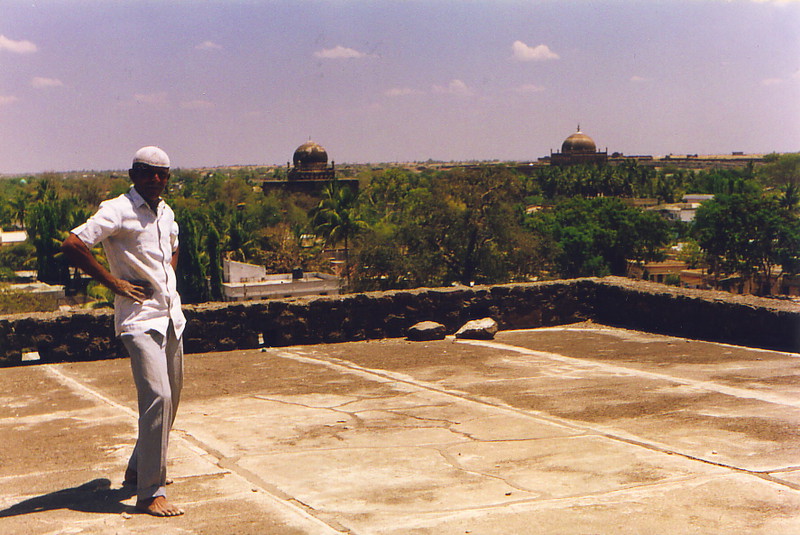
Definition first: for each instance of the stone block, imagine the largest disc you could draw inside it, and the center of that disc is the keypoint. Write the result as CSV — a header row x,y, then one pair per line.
x,y
427,330
482,329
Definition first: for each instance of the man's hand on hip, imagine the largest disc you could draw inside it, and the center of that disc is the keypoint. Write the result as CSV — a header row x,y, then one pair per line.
x,y
137,290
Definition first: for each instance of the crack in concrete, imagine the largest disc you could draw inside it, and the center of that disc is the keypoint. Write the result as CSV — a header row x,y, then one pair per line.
x,y
387,378
335,408
454,462
338,363
616,369
575,500
230,464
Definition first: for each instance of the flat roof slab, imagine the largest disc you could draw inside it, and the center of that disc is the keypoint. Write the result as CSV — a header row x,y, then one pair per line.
x,y
577,429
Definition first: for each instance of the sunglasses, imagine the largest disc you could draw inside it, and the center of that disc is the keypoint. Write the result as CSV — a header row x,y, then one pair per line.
x,y
149,170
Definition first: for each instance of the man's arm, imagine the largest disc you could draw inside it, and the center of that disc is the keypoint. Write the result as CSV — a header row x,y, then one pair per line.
x,y
80,256
174,259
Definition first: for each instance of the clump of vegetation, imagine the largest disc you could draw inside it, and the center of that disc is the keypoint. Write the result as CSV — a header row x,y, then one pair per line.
x,y
102,296
16,301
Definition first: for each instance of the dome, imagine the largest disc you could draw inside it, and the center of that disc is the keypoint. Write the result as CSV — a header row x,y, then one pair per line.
x,y
310,156
578,143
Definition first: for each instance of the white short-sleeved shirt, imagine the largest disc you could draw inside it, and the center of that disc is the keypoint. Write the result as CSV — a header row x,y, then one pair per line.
x,y
139,244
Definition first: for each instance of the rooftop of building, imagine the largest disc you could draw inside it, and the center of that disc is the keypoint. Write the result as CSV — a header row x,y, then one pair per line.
x,y
579,428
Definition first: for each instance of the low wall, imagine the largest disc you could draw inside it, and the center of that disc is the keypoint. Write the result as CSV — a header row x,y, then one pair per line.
x,y
700,314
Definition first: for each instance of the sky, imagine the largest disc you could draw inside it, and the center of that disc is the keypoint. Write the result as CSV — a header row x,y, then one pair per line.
x,y
84,83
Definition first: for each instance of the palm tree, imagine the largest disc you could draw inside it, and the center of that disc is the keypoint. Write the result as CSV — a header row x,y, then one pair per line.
x,y
336,218
240,243
19,207
790,196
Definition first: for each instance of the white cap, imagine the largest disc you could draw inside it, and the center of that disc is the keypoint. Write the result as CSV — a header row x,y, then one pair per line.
x,y
151,156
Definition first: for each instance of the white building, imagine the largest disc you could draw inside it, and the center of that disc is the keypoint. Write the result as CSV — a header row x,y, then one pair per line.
x,y
685,210
40,288
12,237
242,282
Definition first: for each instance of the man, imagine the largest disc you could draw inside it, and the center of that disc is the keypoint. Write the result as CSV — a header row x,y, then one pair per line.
x,y
140,239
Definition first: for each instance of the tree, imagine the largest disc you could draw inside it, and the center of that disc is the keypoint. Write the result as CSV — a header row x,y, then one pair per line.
x,y
214,267
46,223
336,218
597,237
625,180
240,242
19,207
690,253
790,196
235,191
748,234
383,263
482,206
191,270
781,169
21,256
384,194
90,190
465,226
46,189
724,181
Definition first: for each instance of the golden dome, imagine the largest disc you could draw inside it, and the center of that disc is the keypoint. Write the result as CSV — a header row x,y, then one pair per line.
x,y
578,143
310,155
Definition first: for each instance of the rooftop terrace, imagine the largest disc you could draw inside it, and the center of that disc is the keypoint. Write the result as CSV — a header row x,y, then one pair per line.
x,y
561,424
570,429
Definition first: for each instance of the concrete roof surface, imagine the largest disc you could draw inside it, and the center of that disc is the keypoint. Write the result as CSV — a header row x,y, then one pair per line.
x,y
580,429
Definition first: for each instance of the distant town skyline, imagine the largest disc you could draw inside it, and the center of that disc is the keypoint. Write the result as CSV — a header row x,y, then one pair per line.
x,y
84,83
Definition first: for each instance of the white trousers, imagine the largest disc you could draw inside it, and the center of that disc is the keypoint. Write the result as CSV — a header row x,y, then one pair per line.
x,y
157,365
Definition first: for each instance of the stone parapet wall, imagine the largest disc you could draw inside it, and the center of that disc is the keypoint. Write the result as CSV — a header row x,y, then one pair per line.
x,y
315,320
698,314
637,305
58,337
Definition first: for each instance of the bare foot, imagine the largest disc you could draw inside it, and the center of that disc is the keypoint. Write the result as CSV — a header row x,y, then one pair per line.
x,y
158,506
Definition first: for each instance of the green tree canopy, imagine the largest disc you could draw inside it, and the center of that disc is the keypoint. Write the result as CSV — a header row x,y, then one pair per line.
x,y
596,237
748,234
462,225
781,169
191,271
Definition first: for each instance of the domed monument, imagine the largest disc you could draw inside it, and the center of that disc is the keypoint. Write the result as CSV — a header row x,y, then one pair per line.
x,y
578,149
578,143
310,162
308,172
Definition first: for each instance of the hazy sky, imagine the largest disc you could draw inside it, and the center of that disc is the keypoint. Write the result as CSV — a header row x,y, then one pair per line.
x,y
84,83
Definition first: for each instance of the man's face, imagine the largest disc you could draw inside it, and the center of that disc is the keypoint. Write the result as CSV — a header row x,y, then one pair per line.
x,y
149,181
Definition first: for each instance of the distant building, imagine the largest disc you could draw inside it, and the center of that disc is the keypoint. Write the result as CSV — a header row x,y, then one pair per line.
x,y
695,278
683,211
578,149
697,198
309,171
40,288
12,237
657,271
242,282
311,163
736,160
